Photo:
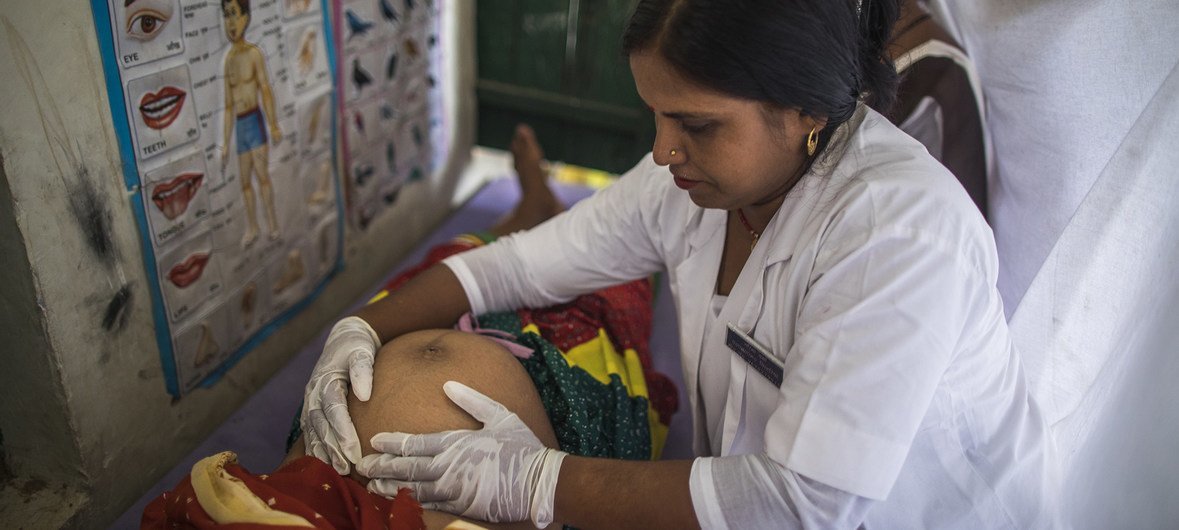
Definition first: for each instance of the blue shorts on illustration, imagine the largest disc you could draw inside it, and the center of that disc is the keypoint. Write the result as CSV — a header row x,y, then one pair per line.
x,y
251,132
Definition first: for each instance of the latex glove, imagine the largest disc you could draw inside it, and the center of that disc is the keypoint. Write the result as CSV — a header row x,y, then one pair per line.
x,y
347,357
498,473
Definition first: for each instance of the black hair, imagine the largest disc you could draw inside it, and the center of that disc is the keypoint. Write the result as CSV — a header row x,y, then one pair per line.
x,y
243,4
819,56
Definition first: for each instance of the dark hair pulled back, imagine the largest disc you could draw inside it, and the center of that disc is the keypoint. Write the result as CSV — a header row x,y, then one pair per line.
x,y
818,56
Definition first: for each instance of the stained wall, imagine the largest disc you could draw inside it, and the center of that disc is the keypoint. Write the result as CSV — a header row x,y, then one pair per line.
x,y
86,421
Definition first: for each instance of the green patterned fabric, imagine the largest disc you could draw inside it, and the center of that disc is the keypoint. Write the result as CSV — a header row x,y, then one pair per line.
x,y
589,418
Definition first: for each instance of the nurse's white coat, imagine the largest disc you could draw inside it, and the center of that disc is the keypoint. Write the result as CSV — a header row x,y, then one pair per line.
x,y
874,284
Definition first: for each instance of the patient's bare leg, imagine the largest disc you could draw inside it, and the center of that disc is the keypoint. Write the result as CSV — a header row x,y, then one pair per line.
x,y
537,201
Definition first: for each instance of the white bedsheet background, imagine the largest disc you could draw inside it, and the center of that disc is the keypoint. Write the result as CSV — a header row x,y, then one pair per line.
x,y
1083,106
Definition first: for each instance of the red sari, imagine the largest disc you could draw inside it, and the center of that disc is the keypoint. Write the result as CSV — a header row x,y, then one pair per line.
x,y
305,493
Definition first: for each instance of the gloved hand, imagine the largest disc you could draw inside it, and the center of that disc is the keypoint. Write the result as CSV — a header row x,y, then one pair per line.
x,y
348,356
498,473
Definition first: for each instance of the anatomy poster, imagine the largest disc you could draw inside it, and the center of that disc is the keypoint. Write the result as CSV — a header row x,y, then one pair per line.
x,y
389,98
225,117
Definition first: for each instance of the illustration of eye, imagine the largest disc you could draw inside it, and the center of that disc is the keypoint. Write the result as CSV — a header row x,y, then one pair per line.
x,y
148,19
307,53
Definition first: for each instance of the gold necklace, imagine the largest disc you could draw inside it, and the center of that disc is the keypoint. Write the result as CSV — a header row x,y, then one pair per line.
x,y
749,227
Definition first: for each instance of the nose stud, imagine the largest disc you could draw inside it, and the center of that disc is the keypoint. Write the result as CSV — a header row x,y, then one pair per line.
x,y
673,152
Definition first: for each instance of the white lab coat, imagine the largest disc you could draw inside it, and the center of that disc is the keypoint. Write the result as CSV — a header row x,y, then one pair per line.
x,y
874,284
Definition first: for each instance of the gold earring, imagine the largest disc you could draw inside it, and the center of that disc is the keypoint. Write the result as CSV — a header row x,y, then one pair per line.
x,y
673,152
812,141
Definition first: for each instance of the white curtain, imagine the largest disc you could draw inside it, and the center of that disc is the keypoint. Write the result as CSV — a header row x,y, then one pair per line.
x,y
1083,106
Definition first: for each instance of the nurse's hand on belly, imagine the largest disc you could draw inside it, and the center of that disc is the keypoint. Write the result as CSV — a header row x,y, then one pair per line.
x,y
348,356
501,472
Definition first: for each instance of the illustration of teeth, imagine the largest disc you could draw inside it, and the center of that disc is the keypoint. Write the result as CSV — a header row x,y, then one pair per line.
x,y
158,108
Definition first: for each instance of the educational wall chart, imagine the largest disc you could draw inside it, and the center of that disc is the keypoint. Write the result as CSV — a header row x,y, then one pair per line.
x,y
390,103
225,117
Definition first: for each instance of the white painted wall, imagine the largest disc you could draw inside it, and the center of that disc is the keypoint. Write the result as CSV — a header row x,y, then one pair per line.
x,y
86,421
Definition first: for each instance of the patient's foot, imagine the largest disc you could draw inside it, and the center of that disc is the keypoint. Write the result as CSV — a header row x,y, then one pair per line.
x,y
537,201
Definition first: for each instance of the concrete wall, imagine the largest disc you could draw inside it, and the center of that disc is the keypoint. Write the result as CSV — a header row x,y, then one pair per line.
x,y
86,422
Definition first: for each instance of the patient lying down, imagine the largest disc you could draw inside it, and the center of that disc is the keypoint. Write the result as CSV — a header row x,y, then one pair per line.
x,y
407,397
590,358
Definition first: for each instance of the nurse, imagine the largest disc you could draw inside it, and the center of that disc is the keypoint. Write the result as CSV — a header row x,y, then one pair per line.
x,y
844,348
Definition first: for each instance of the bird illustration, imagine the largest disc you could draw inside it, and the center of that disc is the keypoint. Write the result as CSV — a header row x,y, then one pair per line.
x,y
360,78
386,112
391,68
388,12
390,155
363,173
359,120
356,25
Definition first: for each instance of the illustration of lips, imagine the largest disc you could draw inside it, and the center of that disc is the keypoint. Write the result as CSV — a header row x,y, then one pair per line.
x,y
160,109
188,271
172,197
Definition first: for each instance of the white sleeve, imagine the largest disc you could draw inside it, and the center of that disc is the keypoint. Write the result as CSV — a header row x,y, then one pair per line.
x,y
751,491
607,239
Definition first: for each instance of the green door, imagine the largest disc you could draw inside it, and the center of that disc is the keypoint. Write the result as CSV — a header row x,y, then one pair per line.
x,y
558,66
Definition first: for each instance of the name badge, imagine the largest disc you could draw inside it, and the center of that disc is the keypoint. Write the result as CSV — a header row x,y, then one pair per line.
x,y
755,354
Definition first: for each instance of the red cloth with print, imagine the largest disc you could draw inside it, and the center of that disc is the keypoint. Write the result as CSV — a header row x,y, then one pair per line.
x,y
306,487
624,311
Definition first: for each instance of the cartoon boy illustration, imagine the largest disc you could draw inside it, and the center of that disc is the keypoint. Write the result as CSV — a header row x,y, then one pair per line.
x,y
245,82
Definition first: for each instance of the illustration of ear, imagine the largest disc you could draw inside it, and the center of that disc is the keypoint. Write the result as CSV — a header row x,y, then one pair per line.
x,y
313,123
323,184
249,293
296,7
307,52
207,348
291,273
324,247
172,197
